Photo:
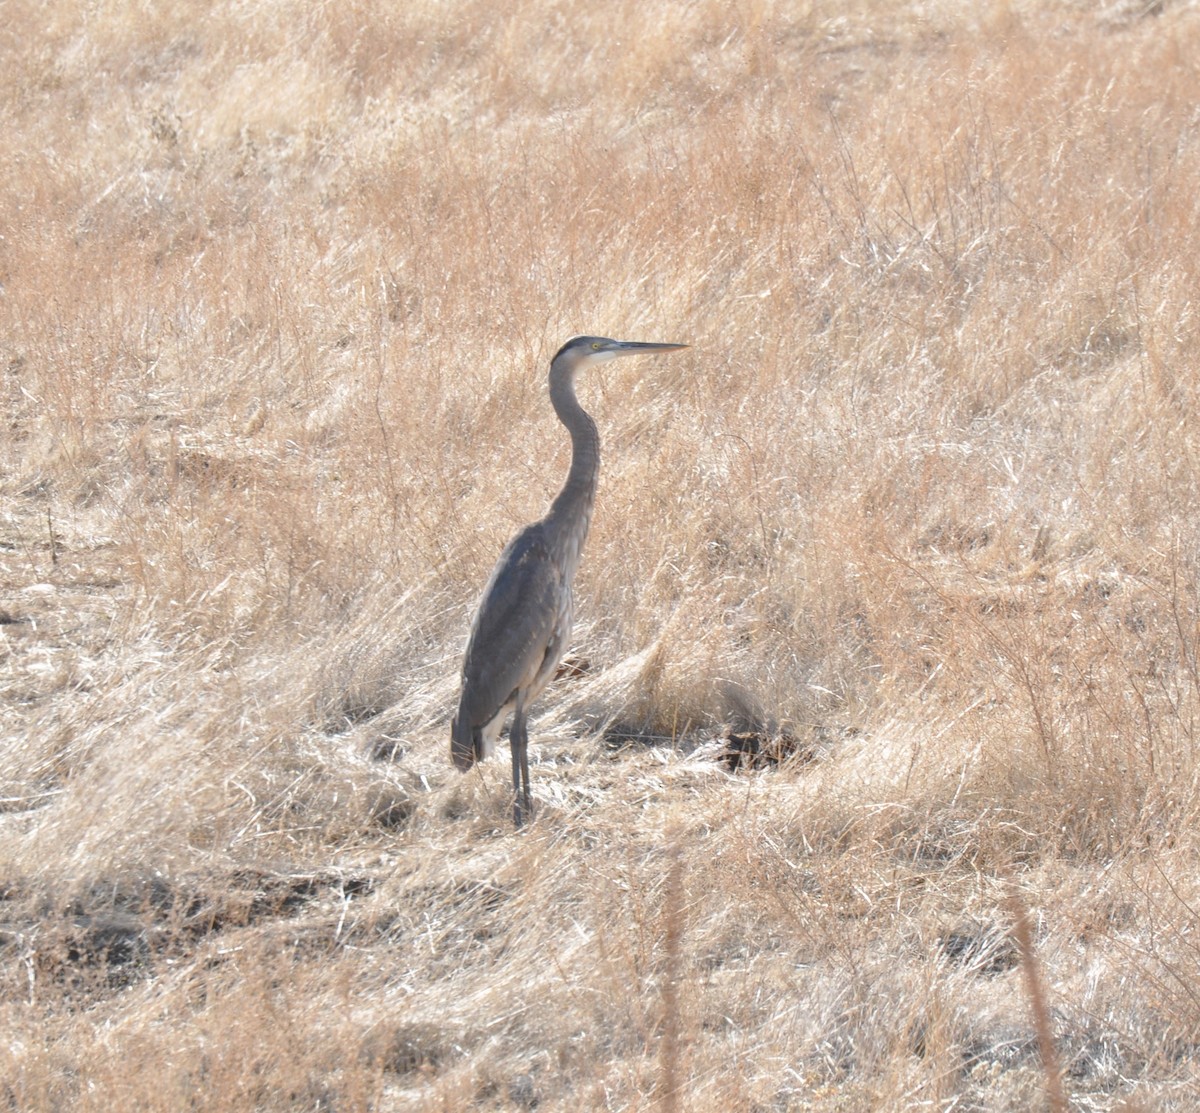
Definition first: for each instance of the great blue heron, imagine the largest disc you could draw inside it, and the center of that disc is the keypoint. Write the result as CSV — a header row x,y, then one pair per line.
x,y
524,618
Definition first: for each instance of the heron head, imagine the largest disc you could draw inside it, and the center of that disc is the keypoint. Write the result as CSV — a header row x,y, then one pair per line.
x,y
599,349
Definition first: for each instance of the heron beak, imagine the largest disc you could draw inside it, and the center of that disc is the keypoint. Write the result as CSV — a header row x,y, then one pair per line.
x,y
637,348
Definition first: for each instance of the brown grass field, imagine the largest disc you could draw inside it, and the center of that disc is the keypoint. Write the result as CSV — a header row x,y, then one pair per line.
x,y
877,787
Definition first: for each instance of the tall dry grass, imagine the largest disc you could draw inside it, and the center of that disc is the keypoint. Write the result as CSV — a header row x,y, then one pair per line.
x,y
917,514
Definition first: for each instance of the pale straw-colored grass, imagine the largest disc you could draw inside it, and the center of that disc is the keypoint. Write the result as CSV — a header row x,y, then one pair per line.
x,y
916,513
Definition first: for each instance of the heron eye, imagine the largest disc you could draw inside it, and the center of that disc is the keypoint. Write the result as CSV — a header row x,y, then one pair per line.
x,y
595,347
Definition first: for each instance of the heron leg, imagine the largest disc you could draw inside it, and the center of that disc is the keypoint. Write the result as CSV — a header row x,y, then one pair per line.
x,y
518,736
527,799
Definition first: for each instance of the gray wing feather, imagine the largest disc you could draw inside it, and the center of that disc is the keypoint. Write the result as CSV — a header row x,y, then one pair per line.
x,y
514,627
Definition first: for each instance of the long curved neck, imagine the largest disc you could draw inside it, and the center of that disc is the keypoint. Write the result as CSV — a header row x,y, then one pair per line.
x,y
571,512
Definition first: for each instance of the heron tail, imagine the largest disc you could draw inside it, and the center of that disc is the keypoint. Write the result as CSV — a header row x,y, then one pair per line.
x,y
465,744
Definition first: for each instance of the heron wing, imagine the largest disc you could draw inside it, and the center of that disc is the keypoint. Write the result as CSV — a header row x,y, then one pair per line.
x,y
518,622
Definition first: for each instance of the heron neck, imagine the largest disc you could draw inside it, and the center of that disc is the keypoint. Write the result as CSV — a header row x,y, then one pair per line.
x,y
571,512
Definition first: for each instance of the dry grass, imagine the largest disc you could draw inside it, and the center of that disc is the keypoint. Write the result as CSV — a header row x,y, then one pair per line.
x,y
919,511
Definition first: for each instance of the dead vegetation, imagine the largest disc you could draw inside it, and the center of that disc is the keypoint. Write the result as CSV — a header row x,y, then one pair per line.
x,y
872,782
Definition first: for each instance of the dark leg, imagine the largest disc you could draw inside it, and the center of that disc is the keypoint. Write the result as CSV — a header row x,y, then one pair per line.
x,y
526,797
518,739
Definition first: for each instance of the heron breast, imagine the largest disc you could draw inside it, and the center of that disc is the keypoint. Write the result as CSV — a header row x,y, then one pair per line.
x,y
555,647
